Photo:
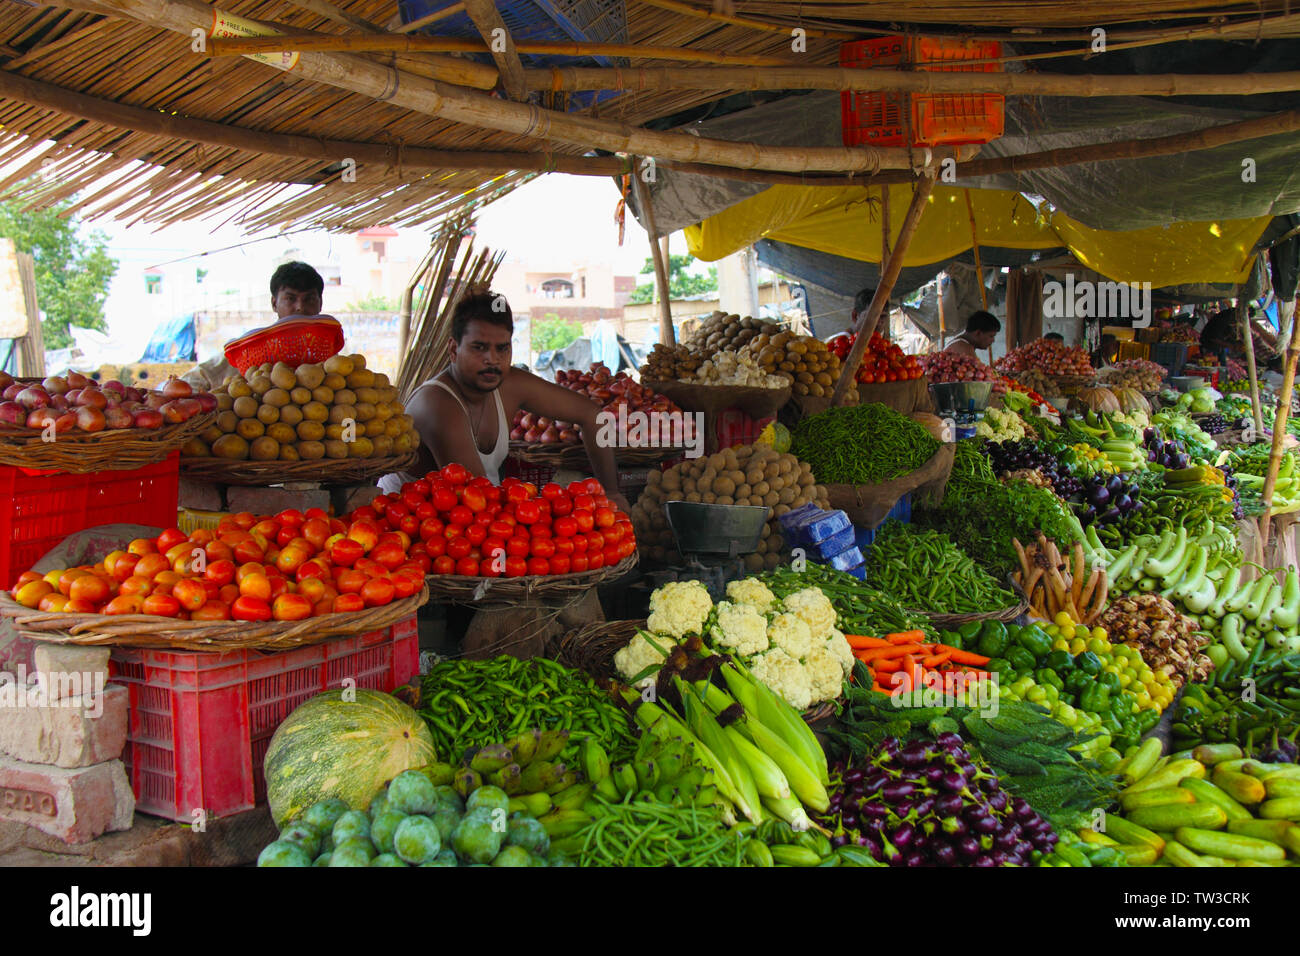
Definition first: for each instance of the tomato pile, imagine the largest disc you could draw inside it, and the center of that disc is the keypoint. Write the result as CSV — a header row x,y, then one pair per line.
x,y
288,567
471,527
881,362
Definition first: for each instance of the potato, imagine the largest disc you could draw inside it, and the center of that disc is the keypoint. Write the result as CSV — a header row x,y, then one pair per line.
x,y
788,495
753,562
742,492
771,499
754,475
289,453
724,500
334,381
276,397
365,412
335,449
772,561
225,401
708,497
384,411
361,448
239,389
260,384
383,446
196,448
693,496
246,406
268,414
210,434
672,480
338,365
374,428
282,433
760,490
780,509
342,413
250,428
291,414
368,395
311,431
300,395
345,396
704,486
309,376
404,443
316,412
264,449
392,427
231,447
227,421
717,461
322,394
688,486
361,378
723,485
806,479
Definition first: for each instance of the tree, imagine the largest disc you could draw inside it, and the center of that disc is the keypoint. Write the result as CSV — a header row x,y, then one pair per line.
x,y
680,282
553,332
73,271
372,302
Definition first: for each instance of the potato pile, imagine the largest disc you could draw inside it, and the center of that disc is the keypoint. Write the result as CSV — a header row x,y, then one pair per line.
x,y
281,413
744,475
805,359
722,332
670,363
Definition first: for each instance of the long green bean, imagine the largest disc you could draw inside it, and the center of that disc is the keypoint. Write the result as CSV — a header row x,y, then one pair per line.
x,y
926,571
859,608
640,833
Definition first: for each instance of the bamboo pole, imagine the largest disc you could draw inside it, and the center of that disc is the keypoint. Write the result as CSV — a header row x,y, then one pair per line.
x,y
836,78
943,331
1279,433
885,238
429,18
666,334
888,276
975,247
326,9
430,98
691,11
536,79
496,34
1243,316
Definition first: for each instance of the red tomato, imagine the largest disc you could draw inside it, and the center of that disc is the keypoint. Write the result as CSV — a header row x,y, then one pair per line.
x,y
250,609
426,512
425,562
517,493
565,527
493,545
365,511
611,555
595,541
421,486
517,547
540,531
467,567
584,502
576,488
543,548
527,512
395,510
410,524
614,533
560,506
476,534
585,519
563,545
444,498
489,568
473,498
539,566
501,529
444,564
594,487
595,560
560,564
459,548
456,474
460,515
626,547
604,517
579,563
430,528
551,491
516,567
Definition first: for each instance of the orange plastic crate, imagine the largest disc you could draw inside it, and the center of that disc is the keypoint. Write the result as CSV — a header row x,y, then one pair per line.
x,y
885,119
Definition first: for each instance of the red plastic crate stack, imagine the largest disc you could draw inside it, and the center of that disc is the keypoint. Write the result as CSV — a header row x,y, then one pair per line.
x,y
733,427
886,119
41,508
200,724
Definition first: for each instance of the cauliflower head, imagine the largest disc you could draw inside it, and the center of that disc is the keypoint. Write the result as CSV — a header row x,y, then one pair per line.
x,y
825,675
679,608
753,592
838,646
741,629
814,608
790,633
640,654
785,676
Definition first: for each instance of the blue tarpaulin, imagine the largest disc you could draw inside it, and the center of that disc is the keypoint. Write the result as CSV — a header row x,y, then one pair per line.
x,y
173,341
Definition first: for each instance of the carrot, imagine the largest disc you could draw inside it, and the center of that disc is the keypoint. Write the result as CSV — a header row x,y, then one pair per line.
x,y
906,637
884,690
863,642
878,652
966,657
934,660
914,670
887,665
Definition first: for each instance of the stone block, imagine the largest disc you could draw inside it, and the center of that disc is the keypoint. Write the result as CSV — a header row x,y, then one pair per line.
x,y
70,732
199,495
268,501
74,805
65,669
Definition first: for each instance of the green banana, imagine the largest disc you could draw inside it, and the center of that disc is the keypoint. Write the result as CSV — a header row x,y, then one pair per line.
x,y
595,761
647,774
533,804
562,779
525,746
625,777
537,776
508,779
490,758
608,789
466,781
572,797
439,774
550,744
563,823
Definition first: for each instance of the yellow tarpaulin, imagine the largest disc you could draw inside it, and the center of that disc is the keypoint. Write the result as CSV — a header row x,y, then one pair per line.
x,y
846,222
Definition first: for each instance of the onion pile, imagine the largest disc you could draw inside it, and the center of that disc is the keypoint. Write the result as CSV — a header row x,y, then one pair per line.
x,y
75,401
1049,356
951,367
1180,332
929,803
608,391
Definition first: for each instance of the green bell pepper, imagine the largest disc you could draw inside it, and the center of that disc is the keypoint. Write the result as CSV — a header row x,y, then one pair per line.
x,y
1021,659
1146,719
970,632
1096,699
999,665
993,639
1110,682
1076,682
1033,639
1112,724
952,639
1060,661
1088,662
1045,676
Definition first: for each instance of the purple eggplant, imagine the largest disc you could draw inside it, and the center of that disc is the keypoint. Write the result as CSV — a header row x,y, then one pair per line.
x,y
944,855
897,791
902,836
967,847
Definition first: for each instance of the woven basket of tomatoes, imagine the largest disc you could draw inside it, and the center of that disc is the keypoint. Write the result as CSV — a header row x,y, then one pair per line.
x,y
491,545
270,583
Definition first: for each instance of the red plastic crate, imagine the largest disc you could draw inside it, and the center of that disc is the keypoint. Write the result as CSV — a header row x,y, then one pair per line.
x,y
200,723
886,119
733,427
527,471
38,509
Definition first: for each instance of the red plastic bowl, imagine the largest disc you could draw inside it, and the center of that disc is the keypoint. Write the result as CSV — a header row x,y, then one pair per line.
x,y
296,342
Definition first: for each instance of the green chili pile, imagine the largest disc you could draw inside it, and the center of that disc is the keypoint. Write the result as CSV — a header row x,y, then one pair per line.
x,y
926,571
476,703
859,609
647,833
862,444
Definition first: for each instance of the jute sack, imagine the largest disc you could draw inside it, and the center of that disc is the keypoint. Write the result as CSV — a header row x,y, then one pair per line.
x,y
867,505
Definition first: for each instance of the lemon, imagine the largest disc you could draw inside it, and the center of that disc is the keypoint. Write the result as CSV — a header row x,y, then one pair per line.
x,y
1099,633
1078,646
1125,679
1063,620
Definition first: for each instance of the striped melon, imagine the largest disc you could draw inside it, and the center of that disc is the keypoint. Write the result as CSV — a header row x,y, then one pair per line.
x,y
331,747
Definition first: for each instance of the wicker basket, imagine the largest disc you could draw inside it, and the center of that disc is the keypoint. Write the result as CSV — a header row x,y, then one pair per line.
x,y
949,621
326,471
573,455
592,649
164,633
504,593
79,453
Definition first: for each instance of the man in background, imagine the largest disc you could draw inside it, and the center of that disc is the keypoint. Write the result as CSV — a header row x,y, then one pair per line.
x,y
981,330
1056,337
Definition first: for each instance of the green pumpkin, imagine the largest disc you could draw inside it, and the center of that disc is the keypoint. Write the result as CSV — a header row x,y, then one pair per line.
x,y
345,749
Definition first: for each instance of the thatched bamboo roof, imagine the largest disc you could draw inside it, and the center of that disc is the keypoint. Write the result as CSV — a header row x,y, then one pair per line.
x,y
203,134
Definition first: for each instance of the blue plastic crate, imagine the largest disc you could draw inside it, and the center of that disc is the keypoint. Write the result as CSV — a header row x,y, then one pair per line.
x,y
901,512
845,559
860,572
840,541
824,526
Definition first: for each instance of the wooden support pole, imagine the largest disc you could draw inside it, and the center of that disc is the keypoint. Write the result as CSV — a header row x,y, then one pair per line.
x,y
429,18
1279,433
693,11
888,276
501,45
1243,316
943,329
328,10
666,334
885,238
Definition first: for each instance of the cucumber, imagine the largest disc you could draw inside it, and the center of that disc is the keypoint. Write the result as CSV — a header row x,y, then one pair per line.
x,y
1234,846
1170,555
1288,613
1143,761
1203,815
1139,855
1282,832
1156,797
1170,775
1271,603
1121,564
1211,754
1241,787
1089,835
795,856
1282,808
1282,785
1240,598
1179,855
1128,832
1230,635
1206,792
1258,595
1265,771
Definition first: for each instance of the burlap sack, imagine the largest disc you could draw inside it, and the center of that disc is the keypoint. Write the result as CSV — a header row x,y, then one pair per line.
x,y
867,505
711,399
906,397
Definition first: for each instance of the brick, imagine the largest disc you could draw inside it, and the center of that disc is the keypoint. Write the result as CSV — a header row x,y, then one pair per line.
x,y
199,495
56,665
67,736
74,805
268,501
